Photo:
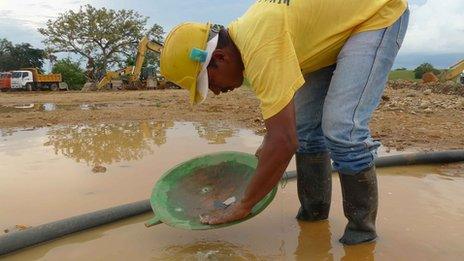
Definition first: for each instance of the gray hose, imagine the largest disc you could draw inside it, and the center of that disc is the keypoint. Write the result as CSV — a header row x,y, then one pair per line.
x,y
29,237
35,235
420,158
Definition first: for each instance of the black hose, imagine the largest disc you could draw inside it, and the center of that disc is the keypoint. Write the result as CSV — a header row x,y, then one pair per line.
x,y
35,235
420,158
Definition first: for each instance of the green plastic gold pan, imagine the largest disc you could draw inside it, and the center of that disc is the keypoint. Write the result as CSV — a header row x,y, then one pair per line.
x,y
202,185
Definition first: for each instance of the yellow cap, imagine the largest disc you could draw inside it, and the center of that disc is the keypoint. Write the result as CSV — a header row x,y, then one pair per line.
x,y
184,55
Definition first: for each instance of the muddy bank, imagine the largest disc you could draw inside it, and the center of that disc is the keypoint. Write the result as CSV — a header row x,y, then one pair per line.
x,y
408,117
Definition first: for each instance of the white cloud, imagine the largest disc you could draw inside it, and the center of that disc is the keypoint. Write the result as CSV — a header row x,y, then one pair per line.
x,y
436,27
19,20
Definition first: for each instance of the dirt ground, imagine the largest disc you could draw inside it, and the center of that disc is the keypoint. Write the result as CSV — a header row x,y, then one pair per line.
x,y
410,116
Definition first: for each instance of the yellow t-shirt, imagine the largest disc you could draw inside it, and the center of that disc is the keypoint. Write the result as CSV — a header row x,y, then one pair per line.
x,y
280,40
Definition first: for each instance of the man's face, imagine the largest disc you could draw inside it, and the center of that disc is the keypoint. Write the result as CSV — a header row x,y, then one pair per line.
x,y
225,71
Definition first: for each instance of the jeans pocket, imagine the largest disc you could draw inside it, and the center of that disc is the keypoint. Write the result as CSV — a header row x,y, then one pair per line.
x,y
403,26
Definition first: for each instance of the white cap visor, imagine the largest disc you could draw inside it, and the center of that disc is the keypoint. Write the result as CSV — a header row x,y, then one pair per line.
x,y
202,80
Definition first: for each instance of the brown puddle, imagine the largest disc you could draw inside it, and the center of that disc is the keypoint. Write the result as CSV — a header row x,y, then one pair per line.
x,y
48,106
46,174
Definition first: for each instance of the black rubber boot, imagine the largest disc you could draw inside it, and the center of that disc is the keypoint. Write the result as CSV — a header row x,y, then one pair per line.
x,y
360,201
314,172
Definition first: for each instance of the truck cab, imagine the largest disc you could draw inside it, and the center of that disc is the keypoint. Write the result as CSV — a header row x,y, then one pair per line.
x,y
22,80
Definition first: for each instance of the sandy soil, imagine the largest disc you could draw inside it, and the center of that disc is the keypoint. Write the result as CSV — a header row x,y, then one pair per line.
x,y
409,117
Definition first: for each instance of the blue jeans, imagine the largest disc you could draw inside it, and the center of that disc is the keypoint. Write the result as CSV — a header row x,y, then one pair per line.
x,y
334,107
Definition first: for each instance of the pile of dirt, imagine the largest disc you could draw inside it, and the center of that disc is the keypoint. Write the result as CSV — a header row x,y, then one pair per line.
x,y
429,77
449,87
420,102
410,118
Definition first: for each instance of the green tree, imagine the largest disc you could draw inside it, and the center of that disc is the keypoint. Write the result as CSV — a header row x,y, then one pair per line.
x,y
104,36
13,57
71,72
5,47
424,68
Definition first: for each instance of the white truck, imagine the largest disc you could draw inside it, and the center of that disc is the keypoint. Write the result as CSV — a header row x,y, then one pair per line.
x,y
30,79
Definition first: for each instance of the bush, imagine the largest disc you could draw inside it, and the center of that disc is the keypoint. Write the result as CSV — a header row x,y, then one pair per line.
x,y
424,68
71,72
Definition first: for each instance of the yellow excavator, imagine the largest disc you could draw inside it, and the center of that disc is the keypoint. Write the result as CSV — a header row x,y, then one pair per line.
x,y
454,72
130,76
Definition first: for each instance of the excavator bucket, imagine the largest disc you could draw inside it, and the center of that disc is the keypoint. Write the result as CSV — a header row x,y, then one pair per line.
x,y
201,186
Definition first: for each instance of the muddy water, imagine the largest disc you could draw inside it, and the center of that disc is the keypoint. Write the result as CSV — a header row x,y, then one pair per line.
x,y
52,107
52,173
46,174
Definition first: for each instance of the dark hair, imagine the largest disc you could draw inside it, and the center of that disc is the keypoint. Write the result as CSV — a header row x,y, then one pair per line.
x,y
224,39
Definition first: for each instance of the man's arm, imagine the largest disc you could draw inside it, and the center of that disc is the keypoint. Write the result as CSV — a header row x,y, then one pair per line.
x,y
280,143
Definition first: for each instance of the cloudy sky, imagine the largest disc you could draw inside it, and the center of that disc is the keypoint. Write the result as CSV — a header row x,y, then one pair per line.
x,y
436,30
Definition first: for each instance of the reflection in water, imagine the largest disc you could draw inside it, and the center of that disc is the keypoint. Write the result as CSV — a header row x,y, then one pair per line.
x,y
6,132
446,171
455,170
107,143
94,106
359,252
48,106
219,250
215,132
314,241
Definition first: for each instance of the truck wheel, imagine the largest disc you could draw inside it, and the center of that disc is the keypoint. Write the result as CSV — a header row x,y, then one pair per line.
x,y
29,87
54,87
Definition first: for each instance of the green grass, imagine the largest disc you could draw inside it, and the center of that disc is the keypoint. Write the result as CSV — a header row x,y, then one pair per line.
x,y
402,74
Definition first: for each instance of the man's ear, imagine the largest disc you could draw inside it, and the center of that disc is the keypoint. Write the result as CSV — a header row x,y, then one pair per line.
x,y
218,55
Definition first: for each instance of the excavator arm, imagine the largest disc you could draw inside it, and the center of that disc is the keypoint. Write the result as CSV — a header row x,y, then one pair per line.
x,y
453,72
144,45
134,71
109,76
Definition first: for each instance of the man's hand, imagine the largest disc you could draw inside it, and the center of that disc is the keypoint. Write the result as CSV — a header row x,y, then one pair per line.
x,y
233,212
279,145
